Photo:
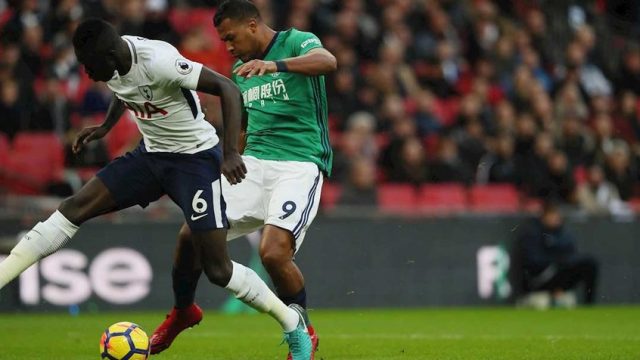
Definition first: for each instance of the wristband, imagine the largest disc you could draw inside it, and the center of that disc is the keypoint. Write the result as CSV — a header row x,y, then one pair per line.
x,y
281,66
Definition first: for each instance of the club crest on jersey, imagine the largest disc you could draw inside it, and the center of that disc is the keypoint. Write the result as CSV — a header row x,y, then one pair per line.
x,y
183,66
146,92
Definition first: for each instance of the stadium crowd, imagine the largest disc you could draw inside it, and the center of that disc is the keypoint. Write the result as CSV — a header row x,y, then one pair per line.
x,y
542,95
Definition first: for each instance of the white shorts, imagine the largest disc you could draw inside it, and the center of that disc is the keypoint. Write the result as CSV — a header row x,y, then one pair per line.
x,y
285,194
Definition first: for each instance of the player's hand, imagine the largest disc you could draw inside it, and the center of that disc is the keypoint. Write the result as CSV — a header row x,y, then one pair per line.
x,y
256,67
86,135
233,168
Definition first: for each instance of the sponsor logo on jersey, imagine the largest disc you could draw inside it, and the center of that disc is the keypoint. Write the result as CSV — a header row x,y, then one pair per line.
x,y
146,92
265,91
310,41
183,66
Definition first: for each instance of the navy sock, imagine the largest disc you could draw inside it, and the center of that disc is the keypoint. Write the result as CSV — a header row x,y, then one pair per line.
x,y
300,298
184,287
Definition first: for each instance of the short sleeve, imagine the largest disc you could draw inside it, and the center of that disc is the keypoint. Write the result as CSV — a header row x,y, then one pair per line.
x,y
303,42
171,68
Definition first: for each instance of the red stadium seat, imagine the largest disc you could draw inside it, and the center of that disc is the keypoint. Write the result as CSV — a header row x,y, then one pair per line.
x,y
28,174
86,173
498,198
122,136
635,204
447,110
40,145
442,199
330,195
580,174
5,147
398,198
532,205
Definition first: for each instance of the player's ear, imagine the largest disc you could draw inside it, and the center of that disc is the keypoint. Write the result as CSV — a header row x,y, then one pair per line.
x,y
253,25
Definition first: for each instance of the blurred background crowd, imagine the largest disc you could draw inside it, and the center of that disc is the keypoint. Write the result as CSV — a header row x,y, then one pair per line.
x,y
535,98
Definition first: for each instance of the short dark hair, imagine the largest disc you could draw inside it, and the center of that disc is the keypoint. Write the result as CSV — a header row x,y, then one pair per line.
x,y
550,205
235,10
95,35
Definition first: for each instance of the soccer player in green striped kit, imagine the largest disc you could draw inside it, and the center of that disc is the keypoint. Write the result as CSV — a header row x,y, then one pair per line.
x,y
287,154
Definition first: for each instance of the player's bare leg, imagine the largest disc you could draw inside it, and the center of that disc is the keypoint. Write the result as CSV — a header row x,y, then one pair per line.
x,y
186,313
277,250
92,200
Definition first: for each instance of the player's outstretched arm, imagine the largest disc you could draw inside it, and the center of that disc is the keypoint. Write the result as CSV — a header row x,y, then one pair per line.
x,y
88,134
317,61
211,82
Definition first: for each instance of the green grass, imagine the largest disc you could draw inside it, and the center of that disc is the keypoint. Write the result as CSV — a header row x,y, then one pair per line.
x,y
465,334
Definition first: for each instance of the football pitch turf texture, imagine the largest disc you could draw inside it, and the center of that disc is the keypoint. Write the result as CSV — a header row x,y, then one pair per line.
x,y
465,334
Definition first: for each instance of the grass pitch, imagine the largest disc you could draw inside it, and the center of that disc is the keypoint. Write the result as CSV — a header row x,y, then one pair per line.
x,y
466,334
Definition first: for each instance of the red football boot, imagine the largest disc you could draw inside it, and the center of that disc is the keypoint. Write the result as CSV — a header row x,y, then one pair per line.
x,y
176,321
314,341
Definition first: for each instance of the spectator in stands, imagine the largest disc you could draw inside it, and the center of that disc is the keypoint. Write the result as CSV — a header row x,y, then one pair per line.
x,y
425,117
12,114
628,121
16,69
598,196
131,17
471,110
569,102
531,60
604,138
542,109
96,100
500,165
32,43
392,75
575,141
551,261
523,89
592,79
541,41
156,24
559,184
629,76
471,144
533,165
618,168
505,118
59,18
410,165
358,142
52,111
467,72
342,95
360,187
448,166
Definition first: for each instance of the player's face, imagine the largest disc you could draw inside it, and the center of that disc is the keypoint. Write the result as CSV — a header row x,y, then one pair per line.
x,y
99,67
239,36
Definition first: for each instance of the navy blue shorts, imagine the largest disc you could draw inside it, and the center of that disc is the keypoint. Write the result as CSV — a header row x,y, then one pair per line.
x,y
192,181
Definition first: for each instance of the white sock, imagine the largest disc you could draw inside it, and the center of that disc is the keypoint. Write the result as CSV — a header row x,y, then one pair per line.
x,y
247,286
44,239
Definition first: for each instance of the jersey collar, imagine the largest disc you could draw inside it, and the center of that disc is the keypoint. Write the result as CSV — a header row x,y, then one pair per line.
x,y
273,41
134,60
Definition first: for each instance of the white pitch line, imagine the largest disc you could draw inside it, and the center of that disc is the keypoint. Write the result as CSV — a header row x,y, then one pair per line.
x,y
421,336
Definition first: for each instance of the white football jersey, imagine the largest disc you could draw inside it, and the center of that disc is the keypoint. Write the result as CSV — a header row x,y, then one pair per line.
x,y
159,90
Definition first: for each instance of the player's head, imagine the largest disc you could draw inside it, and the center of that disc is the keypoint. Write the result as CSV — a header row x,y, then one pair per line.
x,y
95,43
551,216
238,23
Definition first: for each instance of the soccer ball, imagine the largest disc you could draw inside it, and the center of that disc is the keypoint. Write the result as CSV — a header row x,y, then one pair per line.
x,y
124,341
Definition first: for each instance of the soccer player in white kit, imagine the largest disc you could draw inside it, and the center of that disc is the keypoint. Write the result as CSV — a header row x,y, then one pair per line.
x,y
179,156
